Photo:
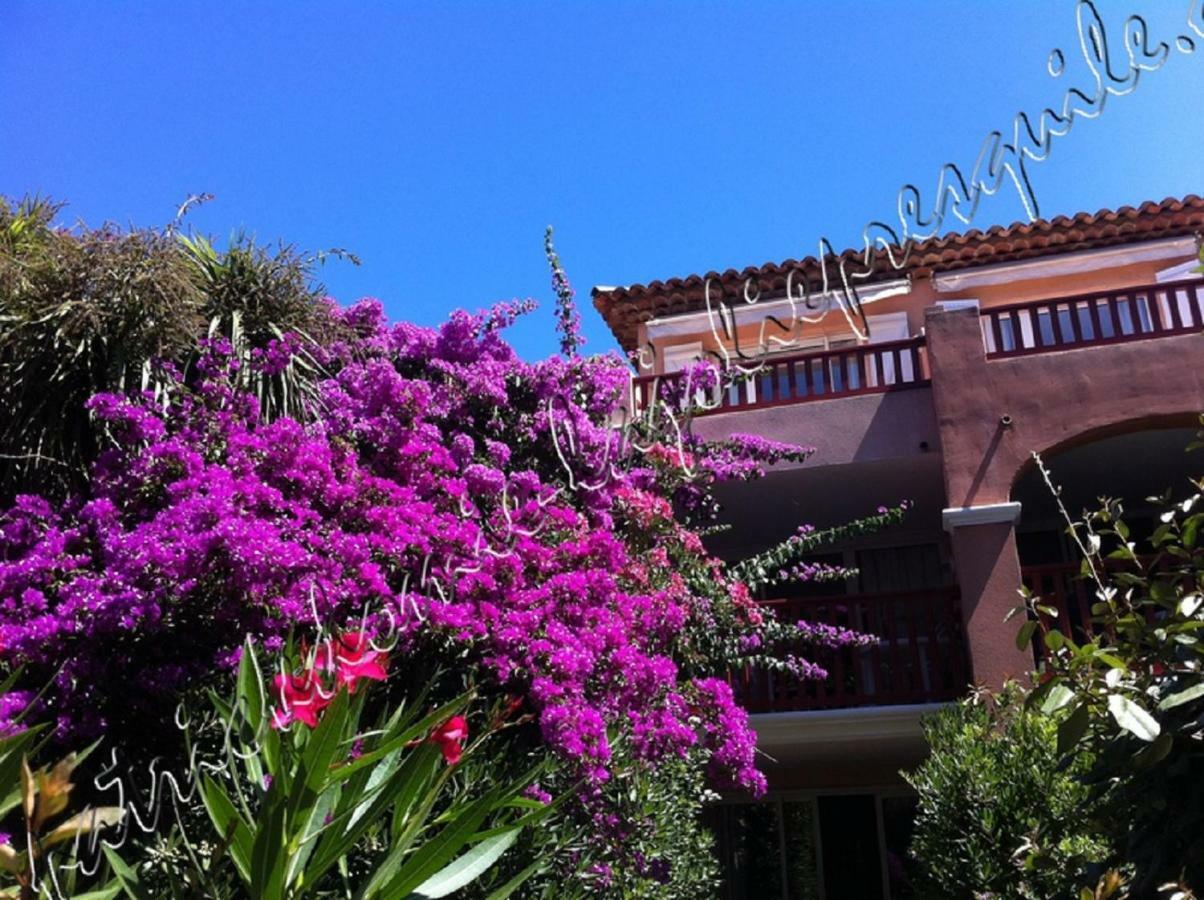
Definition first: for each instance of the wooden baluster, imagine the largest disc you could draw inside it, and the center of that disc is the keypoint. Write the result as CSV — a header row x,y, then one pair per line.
x,y
838,676
911,615
792,386
1056,323
855,622
876,649
1194,307
1096,328
953,616
880,369
805,366
996,330
1114,315
1152,301
896,658
934,653
1172,303
1017,334
863,374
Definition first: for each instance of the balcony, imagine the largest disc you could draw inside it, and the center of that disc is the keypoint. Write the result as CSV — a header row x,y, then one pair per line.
x,y
920,655
1089,320
1020,329
798,378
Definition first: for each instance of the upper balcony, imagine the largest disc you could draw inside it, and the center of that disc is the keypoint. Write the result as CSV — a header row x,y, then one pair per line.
x,y
1105,354
1041,326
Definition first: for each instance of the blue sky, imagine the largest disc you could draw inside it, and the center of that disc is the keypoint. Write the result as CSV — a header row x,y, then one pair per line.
x,y
437,140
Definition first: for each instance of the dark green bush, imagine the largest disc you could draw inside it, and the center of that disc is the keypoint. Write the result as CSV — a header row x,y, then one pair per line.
x,y
997,816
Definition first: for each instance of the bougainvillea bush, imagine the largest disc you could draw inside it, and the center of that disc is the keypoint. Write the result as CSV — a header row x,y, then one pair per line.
x,y
512,522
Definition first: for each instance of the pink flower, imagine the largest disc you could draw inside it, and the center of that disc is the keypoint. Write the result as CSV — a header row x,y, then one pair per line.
x,y
351,657
450,737
301,699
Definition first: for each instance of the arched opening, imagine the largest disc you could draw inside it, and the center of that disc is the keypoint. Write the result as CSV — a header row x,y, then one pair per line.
x,y
1131,466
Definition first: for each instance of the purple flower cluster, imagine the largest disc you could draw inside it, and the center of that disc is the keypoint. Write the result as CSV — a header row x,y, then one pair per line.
x,y
568,320
446,486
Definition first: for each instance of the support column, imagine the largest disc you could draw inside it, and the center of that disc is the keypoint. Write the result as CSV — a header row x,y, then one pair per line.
x,y
988,575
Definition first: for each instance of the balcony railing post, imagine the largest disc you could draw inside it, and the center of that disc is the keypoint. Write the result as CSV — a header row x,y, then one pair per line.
x,y
894,669
1129,314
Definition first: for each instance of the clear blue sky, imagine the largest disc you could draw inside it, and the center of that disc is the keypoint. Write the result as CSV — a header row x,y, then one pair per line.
x,y
437,140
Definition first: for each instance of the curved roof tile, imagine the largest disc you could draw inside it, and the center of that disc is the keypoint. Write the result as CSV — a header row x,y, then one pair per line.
x,y
624,308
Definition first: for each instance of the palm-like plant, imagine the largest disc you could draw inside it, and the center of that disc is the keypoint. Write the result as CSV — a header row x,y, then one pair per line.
x,y
88,310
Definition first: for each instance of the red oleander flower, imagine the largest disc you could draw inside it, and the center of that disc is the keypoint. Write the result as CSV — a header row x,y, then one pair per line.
x,y
302,699
450,737
352,657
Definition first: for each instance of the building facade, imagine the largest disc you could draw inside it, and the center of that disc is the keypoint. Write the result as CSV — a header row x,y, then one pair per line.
x,y
1078,338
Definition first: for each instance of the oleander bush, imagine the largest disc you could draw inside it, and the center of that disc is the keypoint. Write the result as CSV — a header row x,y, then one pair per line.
x,y
997,815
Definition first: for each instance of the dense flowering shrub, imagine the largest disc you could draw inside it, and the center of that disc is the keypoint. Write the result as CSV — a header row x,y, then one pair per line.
x,y
447,508
443,487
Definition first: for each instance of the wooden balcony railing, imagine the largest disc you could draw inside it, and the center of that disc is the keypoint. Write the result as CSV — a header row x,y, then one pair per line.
x,y
920,655
778,380
1062,586
1086,320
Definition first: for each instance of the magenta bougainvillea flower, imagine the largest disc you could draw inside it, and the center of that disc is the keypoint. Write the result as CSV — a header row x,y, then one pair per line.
x,y
443,489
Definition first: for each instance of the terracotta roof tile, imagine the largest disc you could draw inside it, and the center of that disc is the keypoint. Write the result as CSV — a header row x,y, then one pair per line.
x,y
625,308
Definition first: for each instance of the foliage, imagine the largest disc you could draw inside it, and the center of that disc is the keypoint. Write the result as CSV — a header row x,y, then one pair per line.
x,y
41,799
357,803
997,815
1133,692
95,309
422,483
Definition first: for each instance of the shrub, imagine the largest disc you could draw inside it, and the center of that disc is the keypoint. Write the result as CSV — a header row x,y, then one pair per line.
x,y
426,481
997,816
1132,691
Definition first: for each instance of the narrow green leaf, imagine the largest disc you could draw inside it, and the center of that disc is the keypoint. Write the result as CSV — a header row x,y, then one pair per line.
x,y
433,854
251,692
224,817
268,852
467,868
517,881
127,878
1132,718
1025,636
1072,728
1059,696
1181,697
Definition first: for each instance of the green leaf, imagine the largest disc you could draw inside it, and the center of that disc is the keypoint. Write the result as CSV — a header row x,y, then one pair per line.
x,y
358,810
517,881
109,891
433,854
268,852
324,743
1059,696
1154,752
1025,636
251,694
1132,718
126,877
225,817
1072,728
1181,697
467,868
